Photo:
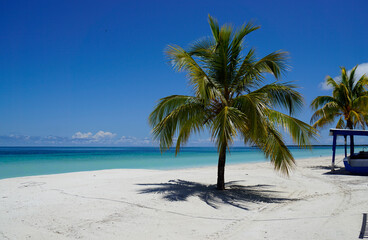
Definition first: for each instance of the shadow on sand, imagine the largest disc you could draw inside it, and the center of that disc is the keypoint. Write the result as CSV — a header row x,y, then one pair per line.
x,y
322,167
235,195
338,171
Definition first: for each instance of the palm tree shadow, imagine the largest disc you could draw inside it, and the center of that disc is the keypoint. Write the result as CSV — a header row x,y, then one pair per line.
x,y
235,195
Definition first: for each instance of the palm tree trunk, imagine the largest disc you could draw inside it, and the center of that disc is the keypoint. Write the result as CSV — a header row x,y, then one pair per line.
x,y
221,169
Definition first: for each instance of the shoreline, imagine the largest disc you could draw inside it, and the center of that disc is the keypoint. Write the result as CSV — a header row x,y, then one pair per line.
x,y
169,168
183,203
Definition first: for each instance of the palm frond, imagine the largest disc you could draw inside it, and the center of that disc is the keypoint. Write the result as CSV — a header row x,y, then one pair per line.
x,y
175,113
325,120
344,77
331,82
351,78
326,115
282,95
341,123
361,103
300,132
274,63
322,100
241,33
202,48
166,105
361,86
276,150
357,119
251,70
247,74
225,124
254,107
182,61
237,45
329,110
195,124
214,27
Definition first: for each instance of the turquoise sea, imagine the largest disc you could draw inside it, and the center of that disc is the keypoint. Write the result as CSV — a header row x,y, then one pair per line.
x,y
27,161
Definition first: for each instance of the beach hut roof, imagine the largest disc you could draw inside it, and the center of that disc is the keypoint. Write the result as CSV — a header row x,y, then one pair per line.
x,y
348,132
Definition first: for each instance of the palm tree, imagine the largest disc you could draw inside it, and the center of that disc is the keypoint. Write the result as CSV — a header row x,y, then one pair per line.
x,y
348,103
229,99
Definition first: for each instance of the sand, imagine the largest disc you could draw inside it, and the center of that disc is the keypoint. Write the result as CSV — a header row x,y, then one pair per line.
x,y
183,204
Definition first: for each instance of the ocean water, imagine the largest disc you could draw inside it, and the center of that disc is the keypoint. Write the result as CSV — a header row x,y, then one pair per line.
x,y
28,161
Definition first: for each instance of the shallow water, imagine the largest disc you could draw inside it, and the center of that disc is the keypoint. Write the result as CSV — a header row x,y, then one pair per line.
x,y
27,161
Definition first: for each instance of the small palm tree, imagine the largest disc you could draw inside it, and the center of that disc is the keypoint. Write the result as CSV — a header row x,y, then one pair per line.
x,y
348,103
229,99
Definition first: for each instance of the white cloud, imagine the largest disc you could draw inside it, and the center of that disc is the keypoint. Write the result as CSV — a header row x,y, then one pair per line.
x,y
359,72
79,135
88,137
323,85
133,141
104,135
125,139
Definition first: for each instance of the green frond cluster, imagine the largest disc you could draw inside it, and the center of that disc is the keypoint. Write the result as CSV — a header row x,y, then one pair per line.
x,y
230,97
348,103
176,115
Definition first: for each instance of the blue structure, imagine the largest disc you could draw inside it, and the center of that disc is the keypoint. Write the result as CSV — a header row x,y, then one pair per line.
x,y
360,159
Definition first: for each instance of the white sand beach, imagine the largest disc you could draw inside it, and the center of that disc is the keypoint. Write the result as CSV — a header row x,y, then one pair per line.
x,y
183,204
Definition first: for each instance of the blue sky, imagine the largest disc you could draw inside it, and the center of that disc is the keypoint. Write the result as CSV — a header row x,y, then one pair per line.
x,y
90,72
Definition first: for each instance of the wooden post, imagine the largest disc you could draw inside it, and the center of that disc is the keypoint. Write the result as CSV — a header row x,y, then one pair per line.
x,y
333,152
351,145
